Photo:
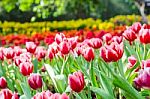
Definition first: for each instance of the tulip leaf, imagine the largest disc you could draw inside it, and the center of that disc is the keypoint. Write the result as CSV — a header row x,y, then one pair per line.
x,y
35,64
101,92
26,90
23,97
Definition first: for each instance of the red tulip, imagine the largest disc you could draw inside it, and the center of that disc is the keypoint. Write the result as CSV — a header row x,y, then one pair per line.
x,y
95,43
131,61
40,52
112,52
9,53
26,68
145,63
73,42
76,81
59,38
42,95
129,35
59,96
88,54
107,38
1,56
3,82
35,81
144,36
6,94
117,39
64,47
90,35
143,79
15,96
136,27
31,47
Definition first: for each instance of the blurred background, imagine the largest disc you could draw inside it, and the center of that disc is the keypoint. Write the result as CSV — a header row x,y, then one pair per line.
x,y
48,10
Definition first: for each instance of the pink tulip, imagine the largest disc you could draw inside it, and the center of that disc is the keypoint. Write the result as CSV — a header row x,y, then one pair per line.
x,y
76,81
112,52
64,47
95,43
88,54
3,82
144,36
26,68
6,94
31,47
9,53
35,81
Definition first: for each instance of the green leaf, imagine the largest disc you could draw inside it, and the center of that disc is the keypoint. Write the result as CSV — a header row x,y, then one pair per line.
x,y
101,92
26,90
35,64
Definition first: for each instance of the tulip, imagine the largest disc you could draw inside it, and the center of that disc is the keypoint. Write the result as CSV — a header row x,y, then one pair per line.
x,y
31,47
145,63
129,35
143,79
35,81
17,50
136,27
15,96
88,54
26,68
59,96
76,81
42,95
1,56
73,42
112,52
95,43
9,53
3,82
40,52
6,94
107,38
144,36
117,39
90,35
64,47
131,61
59,38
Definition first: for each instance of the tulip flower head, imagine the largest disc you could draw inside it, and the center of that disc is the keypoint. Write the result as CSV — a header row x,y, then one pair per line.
x,y
26,68
31,47
35,81
76,81
3,82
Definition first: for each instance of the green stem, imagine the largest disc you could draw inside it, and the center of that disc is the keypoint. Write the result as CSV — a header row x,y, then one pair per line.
x,y
144,56
63,66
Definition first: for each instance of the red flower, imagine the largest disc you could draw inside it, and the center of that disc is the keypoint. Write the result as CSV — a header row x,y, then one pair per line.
x,y
1,56
95,43
35,81
111,53
59,96
143,79
136,27
40,52
26,68
73,42
9,53
42,95
64,47
144,36
117,39
129,35
17,50
131,61
59,38
3,82
76,81
6,94
88,54
145,63
15,96
107,38
90,35
31,47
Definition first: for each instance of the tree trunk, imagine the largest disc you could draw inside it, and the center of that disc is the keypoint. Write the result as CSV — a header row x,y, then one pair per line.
x,y
141,6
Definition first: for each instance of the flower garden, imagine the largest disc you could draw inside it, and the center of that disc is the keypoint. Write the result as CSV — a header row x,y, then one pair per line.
x,y
76,59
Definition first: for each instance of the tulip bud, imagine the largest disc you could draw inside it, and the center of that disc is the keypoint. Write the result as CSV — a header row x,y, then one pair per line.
x,y
88,54
9,53
144,36
76,81
112,52
3,82
145,63
35,81
143,79
17,50
31,47
136,27
1,56
6,94
132,61
59,96
26,68
64,47
95,43
129,35
40,52
42,95
107,38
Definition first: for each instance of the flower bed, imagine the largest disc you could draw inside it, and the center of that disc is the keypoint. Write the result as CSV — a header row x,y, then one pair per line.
x,y
103,66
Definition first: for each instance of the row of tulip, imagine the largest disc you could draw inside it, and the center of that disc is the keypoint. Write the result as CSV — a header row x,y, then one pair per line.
x,y
113,66
16,27
48,37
